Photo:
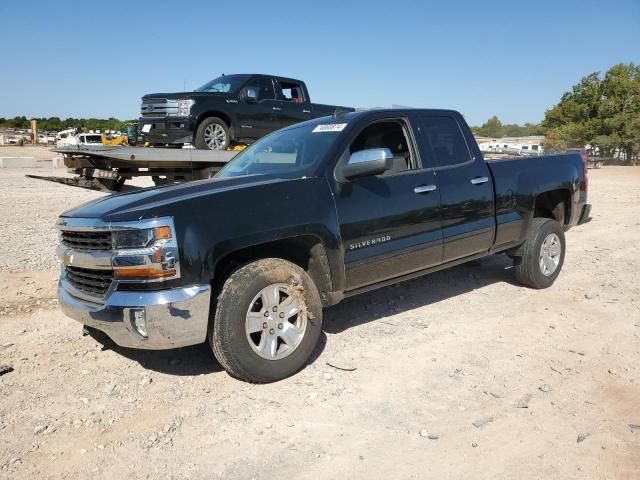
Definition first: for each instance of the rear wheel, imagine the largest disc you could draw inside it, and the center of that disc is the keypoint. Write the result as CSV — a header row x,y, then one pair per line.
x,y
212,134
542,254
267,321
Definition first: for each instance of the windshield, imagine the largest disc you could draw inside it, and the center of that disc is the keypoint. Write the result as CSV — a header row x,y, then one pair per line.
x,y
93,138
291,153
224,84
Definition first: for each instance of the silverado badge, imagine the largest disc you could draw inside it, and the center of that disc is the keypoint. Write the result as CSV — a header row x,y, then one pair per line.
x,y
370,242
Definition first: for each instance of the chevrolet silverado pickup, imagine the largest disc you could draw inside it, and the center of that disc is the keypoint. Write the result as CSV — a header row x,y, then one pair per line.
x,y
228,109
301,219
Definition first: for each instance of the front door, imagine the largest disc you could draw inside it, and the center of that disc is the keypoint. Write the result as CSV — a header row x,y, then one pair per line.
x,y
255,120
389,223
466,189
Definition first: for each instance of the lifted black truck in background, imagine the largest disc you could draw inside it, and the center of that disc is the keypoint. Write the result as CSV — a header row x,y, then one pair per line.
x,y
301,219
228,109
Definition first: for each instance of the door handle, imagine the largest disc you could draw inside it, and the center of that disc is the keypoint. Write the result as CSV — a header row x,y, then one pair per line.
x,y
424,188
277,109
479,180
306,111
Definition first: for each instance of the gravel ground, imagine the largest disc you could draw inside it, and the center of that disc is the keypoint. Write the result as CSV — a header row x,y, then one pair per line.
x,y
29,209
460,374
28,212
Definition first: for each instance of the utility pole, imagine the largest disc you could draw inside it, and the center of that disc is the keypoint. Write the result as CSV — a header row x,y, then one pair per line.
x,y
34,132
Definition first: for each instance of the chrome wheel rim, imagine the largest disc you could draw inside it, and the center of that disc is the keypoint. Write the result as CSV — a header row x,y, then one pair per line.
x,y
276,322
550,254
215,136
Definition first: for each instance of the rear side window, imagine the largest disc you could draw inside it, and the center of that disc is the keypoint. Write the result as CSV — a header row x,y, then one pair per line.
x,y
291,92
447,143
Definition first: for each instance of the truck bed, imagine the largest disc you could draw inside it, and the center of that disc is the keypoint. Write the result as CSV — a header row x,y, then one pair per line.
x,y
513,177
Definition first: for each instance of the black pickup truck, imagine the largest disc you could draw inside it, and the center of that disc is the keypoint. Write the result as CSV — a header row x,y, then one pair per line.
x,y
301,219
228,109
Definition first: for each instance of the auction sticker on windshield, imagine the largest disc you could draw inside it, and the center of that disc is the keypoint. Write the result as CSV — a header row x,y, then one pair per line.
x,y
330,127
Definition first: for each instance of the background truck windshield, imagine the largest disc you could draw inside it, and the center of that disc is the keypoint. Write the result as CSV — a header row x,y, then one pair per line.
x,y
291,153
224,84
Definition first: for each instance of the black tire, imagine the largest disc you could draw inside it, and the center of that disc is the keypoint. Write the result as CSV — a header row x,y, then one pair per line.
x,y
527,266
211,122
228,337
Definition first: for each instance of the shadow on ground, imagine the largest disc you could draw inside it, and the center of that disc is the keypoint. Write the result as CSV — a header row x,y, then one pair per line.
x,y
426,290
186,361
352,312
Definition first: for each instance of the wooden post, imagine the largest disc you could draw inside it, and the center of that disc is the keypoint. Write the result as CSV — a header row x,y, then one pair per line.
x,y
34,132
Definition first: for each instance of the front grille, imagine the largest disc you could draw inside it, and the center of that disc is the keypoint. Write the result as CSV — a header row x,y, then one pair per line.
x,y
158,107
95,282
153,100
87,240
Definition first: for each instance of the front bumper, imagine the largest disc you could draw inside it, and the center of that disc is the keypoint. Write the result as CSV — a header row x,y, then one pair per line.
x,y
585,216
163,130
174,318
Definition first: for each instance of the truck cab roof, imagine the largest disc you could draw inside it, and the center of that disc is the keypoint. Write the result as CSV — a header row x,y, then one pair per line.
x,y
350,116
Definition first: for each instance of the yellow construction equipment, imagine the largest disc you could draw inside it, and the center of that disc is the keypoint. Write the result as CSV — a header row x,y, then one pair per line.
x,y
127,139
117,140
236,148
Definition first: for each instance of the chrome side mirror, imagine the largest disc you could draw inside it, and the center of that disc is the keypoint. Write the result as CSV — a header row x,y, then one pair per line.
x,y
365,163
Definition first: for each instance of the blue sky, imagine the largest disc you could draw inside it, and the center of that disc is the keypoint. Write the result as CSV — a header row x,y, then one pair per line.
x,y
507,58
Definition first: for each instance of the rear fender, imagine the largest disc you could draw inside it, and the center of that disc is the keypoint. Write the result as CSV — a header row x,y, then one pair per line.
x,y
532,186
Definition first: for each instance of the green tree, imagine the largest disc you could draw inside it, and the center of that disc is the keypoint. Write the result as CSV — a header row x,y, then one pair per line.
x,y
602,111
56,124
620,107
495,128
490,128
554,141
575,118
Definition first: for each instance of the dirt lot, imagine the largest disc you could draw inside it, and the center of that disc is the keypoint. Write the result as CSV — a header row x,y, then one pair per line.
x,y
461,374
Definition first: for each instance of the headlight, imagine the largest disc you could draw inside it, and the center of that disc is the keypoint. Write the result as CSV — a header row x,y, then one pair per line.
x,y
184,107
132,238
145,254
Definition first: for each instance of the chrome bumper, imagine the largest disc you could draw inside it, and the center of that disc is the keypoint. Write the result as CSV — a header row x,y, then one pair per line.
x,y
174,318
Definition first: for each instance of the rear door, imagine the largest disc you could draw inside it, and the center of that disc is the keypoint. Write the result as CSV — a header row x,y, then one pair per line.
x,y
389,223
466,189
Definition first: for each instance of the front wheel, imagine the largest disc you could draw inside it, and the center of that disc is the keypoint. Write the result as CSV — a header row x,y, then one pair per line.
x,y
268,320
542,254
212,134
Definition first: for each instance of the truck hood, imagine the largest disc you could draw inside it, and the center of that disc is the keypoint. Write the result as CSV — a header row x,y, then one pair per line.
x,y
187,95
154,202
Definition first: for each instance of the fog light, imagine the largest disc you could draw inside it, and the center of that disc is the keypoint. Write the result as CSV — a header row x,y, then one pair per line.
x,y
140,321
